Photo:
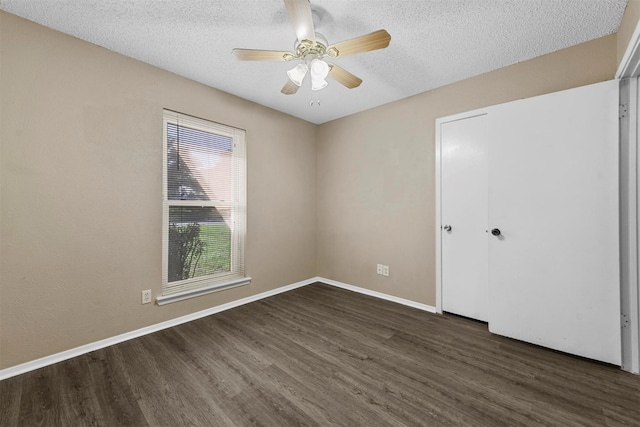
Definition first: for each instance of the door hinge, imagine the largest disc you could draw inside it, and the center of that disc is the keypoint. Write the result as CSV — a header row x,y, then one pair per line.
x,y
622,111
624,320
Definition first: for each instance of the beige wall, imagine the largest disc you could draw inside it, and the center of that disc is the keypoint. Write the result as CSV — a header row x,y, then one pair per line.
x,y
627,26
376,179
80,202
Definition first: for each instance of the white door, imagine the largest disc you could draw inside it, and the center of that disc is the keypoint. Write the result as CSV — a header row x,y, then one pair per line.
x,y
463,178
553,194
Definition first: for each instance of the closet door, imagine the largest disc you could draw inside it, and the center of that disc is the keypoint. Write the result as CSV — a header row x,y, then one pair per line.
x,y
553,211
463,179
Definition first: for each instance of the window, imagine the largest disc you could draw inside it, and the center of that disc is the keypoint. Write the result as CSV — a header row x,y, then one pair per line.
x,y
204,205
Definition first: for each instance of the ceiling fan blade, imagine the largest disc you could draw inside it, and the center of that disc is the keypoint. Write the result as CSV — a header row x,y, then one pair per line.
x,y
262,55
344,77
376,40
289,88
300,14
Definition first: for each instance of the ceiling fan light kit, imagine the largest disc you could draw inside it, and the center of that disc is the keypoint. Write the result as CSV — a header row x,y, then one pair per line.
x,y
297,73
311,47
318,84
319,72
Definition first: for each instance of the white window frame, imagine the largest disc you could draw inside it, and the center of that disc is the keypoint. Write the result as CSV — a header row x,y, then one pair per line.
x,y
188,288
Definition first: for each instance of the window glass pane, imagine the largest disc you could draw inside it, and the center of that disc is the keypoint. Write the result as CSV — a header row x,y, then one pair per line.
x,y
199,242
199,164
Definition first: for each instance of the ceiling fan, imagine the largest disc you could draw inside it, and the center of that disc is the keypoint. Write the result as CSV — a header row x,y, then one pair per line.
x,y
311,48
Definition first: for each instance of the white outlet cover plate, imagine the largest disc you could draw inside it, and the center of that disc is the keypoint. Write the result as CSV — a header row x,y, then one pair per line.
x,y
146,296
385,270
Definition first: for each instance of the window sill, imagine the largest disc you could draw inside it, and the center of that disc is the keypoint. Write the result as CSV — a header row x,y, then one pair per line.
x,y
192,293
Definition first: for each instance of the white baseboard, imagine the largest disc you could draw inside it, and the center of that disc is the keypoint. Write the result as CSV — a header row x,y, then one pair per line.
x,y
380,295
78,351
68,354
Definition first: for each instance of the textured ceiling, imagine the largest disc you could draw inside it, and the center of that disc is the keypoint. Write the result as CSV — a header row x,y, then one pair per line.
x,y
433,42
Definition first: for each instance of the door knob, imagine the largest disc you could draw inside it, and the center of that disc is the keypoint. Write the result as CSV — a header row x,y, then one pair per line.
x,y
495,231
447,228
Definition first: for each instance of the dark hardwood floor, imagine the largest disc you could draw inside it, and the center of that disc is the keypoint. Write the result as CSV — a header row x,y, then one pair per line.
x,y
323,356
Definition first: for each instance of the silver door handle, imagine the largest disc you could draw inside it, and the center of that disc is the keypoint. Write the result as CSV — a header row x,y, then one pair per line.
x,y
447,228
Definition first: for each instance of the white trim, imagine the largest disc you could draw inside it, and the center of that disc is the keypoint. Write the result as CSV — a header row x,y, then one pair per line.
x,y
380,295
78,351
438,220
196,292
631,59
629,209
629,72
97,345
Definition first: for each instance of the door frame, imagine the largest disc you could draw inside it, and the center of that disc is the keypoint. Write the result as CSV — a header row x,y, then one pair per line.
x,y
439,122
629,74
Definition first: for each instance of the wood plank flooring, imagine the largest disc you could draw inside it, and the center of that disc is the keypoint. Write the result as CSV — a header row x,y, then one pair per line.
x,y
323,356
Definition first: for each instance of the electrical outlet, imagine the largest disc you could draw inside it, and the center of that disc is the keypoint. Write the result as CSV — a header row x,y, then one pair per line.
x,y
379,269
385,270
146,296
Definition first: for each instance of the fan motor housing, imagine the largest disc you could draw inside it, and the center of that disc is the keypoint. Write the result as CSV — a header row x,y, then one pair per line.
x,y
306,49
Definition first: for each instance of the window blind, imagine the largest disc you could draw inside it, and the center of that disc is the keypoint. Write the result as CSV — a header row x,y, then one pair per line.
x,y
204,203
